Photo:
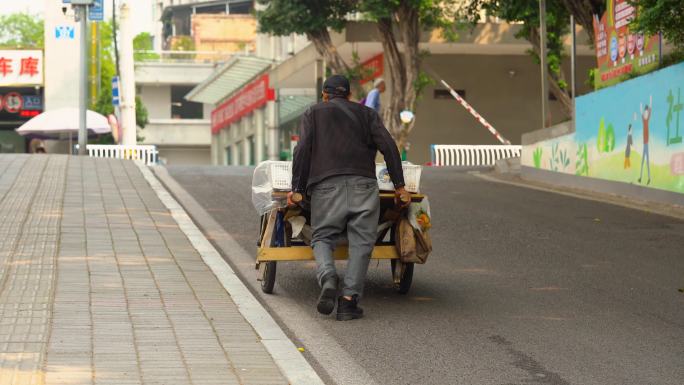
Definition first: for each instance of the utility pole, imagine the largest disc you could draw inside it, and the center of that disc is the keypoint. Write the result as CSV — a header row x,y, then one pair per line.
x,y
573,69
127,87
542,57
82,14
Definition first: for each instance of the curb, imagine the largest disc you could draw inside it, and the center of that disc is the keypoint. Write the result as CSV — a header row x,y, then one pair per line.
x,y
616,200
285,354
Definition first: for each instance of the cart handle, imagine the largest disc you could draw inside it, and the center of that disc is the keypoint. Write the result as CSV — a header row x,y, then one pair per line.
x,y
281,195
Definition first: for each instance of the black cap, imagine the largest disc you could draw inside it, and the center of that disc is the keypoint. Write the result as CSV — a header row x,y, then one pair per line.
x,y
336,85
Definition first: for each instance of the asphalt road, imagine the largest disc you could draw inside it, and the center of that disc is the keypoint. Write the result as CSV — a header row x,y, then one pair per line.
x,y
523,287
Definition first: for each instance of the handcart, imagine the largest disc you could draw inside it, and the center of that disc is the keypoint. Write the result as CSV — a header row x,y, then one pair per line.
x,y
278,243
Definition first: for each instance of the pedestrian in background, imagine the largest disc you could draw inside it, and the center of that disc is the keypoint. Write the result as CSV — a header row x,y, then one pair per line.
x,y
373,98
334,165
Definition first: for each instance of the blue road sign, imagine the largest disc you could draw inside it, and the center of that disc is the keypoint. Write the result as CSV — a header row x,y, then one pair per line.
x,y
115,90
96,11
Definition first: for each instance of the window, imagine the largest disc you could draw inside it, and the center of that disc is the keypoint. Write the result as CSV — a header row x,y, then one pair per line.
x,y
252,150
183,109
229,156
446,94
240,153
242,7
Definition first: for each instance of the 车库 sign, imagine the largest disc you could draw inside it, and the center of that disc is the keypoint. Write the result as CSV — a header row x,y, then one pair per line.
x,y
251,97
21,68
618,50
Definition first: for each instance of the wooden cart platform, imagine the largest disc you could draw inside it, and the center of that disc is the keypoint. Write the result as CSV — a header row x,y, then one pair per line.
x,y
276,244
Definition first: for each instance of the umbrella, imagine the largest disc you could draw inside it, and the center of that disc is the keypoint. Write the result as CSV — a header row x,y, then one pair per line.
x,y
52,124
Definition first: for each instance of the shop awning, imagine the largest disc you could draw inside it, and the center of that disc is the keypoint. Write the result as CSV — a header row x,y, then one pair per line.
x,y
292,106
228,79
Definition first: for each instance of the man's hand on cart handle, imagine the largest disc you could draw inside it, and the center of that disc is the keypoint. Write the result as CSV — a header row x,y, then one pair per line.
x,y
294,198
402,197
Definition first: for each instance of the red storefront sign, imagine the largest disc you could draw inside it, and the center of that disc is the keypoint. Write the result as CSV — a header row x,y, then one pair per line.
x,y
21,67
373,68
249,98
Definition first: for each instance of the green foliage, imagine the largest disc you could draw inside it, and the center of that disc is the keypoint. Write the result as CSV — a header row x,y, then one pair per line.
x,y
582,163
605,138
141,116
433,14
143,42
674,57
103,103
537,157
357,72
664,16
423,81
609,139
21,30
559,158
183,43
283,17
601,135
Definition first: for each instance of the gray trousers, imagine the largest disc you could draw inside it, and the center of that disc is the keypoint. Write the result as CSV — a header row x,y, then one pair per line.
x,y
345,203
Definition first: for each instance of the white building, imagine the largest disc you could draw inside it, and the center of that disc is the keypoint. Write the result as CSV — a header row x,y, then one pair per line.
x,y
180,128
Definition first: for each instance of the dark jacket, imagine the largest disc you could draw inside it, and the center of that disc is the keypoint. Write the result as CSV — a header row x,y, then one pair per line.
x,y
332,143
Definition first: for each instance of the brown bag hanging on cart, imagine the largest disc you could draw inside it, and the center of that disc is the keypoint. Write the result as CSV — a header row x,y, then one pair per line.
x,y
413,246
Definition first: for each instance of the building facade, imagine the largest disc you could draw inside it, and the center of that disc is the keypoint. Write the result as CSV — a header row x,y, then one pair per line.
x,y
489,66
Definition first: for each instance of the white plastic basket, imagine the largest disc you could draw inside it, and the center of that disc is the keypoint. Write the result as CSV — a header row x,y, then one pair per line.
x,y
281,175
411,177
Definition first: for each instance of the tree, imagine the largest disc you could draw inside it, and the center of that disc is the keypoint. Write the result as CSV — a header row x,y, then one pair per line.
x,y
584,11
142,47
410,18
312,18
664,16
398,22
103,103
557,25
21,30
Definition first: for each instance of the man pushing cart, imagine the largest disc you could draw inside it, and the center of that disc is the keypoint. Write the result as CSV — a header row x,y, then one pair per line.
x,y
334,189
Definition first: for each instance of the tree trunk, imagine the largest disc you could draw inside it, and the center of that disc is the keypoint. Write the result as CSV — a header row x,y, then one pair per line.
x,y
563,96
324,46
397,74
403,66
584,11
409,28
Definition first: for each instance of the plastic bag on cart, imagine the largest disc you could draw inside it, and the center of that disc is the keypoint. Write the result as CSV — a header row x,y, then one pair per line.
x,y
263,186
419,215
413,242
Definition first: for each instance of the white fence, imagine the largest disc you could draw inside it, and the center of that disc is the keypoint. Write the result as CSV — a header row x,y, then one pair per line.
x,y
147,154
463,155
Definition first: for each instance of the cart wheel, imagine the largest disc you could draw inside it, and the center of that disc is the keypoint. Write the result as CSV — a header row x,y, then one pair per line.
x,y
268,282
405,283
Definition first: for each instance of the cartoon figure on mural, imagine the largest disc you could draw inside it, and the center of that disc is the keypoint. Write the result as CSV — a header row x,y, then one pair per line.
x,y
628,149
645,116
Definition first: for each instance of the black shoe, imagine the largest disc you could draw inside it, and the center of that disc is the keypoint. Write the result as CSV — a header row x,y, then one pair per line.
x,y
326,301
348,309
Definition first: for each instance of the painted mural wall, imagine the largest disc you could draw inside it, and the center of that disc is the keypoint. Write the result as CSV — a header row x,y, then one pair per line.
x,y
632,133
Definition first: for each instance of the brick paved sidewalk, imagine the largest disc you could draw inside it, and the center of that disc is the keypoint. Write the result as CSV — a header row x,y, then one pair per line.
x,y
98,285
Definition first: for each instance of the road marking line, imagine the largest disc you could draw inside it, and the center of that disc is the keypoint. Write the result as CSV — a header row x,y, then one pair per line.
x,y
285,354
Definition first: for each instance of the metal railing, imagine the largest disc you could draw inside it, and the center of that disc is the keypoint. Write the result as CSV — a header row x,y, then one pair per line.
x,y
468,155
144,153
210,57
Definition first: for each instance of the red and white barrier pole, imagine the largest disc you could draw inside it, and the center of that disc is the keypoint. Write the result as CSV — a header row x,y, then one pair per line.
x,y
477,116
